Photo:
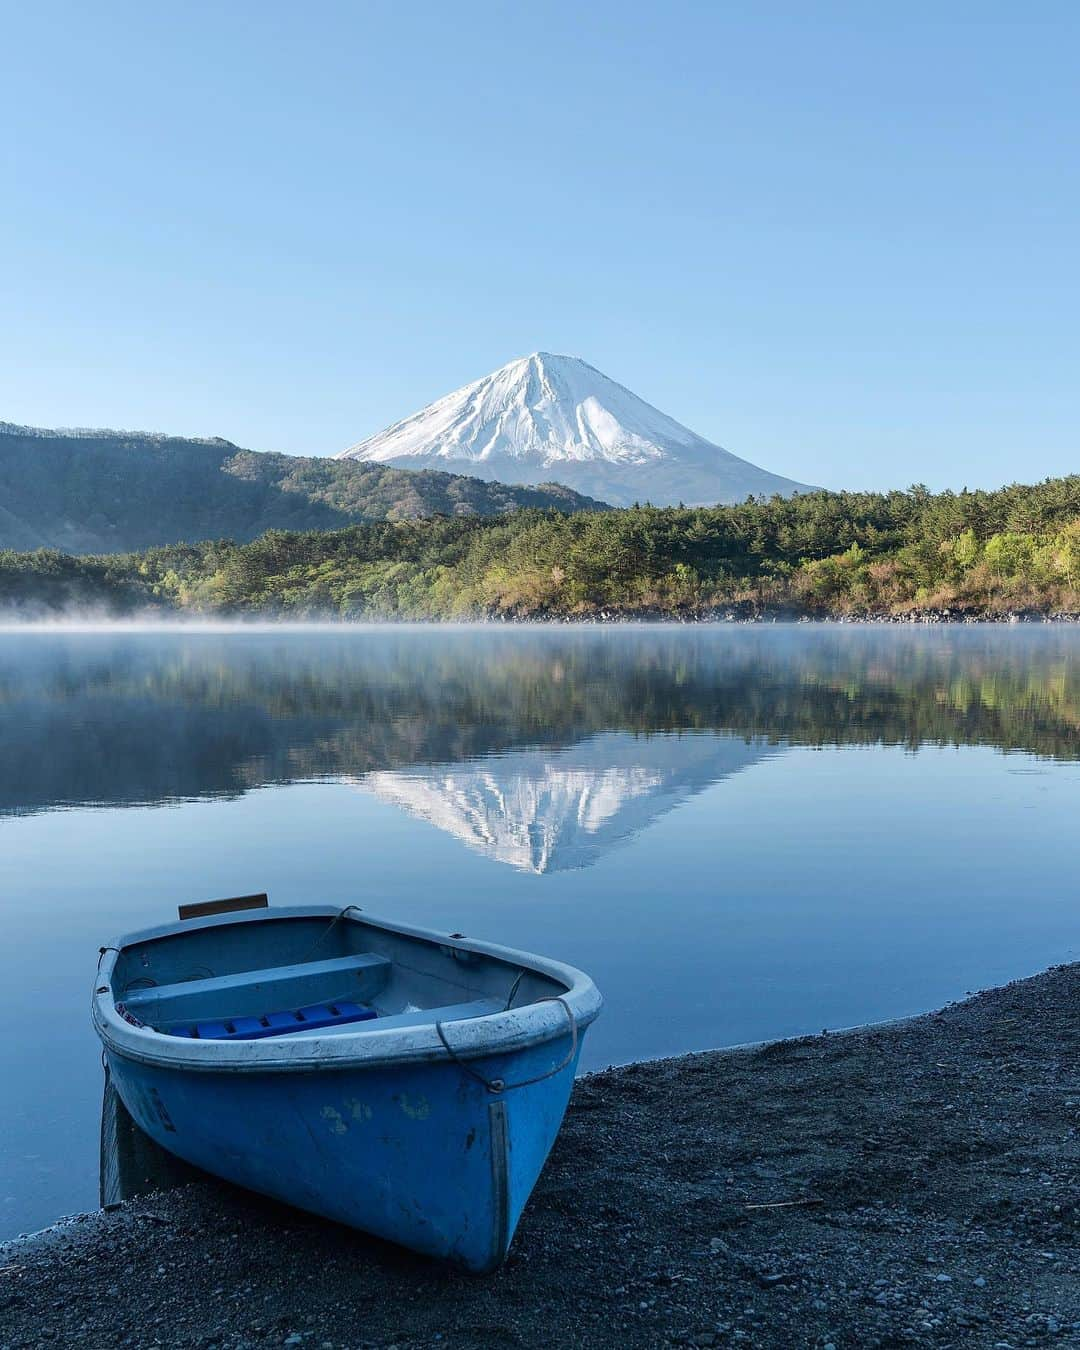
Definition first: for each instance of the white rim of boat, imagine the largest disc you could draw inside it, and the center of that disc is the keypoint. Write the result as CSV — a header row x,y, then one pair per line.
x,y
500,1033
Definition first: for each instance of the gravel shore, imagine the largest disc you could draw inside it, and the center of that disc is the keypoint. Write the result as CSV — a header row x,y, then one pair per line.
x,y
909,1185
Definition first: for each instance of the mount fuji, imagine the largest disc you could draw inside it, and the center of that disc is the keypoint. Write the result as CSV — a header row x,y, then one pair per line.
x,y
547,418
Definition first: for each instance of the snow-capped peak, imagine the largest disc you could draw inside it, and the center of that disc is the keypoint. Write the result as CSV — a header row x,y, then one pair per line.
x,y
545,417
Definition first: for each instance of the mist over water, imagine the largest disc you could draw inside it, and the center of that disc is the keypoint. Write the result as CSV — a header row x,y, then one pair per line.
x,y
740,832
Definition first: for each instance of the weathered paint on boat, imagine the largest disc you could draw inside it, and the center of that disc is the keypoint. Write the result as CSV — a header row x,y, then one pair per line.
x,y
382,1127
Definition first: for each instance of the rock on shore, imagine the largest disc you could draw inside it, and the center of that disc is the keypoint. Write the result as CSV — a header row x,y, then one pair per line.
x,y
911,1185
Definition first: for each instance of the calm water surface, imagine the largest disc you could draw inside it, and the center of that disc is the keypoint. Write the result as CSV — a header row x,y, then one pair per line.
x,y
740,833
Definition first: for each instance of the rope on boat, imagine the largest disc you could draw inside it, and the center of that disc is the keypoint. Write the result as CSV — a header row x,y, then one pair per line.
x,y
327,931
497,1085
513,989
493,1085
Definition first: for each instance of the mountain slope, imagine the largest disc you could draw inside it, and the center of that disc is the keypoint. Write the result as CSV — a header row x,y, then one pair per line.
x,y
556,417
115,491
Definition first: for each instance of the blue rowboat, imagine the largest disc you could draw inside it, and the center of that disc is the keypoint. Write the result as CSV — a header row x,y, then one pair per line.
x,y
406,1082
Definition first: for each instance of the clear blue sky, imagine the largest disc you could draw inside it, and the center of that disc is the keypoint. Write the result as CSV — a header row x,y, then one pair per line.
x,y
839,239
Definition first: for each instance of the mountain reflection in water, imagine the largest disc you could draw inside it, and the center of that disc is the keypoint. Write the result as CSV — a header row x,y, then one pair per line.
x,y
540,748
543,811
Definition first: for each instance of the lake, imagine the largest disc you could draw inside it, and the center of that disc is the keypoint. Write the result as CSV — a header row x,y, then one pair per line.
x,y
740,832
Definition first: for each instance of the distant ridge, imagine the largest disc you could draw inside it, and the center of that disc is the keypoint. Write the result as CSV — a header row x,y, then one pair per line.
x,y
103,491
103,434
548,417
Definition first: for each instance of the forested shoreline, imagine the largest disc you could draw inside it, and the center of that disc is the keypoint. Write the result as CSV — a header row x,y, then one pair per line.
x,y
818,555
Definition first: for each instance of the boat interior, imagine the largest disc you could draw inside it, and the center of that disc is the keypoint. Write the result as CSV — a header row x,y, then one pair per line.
x,y
310,975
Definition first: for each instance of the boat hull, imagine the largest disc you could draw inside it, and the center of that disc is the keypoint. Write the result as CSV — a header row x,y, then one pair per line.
x,y
421,1154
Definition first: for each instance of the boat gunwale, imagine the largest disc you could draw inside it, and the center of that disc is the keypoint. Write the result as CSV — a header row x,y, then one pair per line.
x,y
495,1034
